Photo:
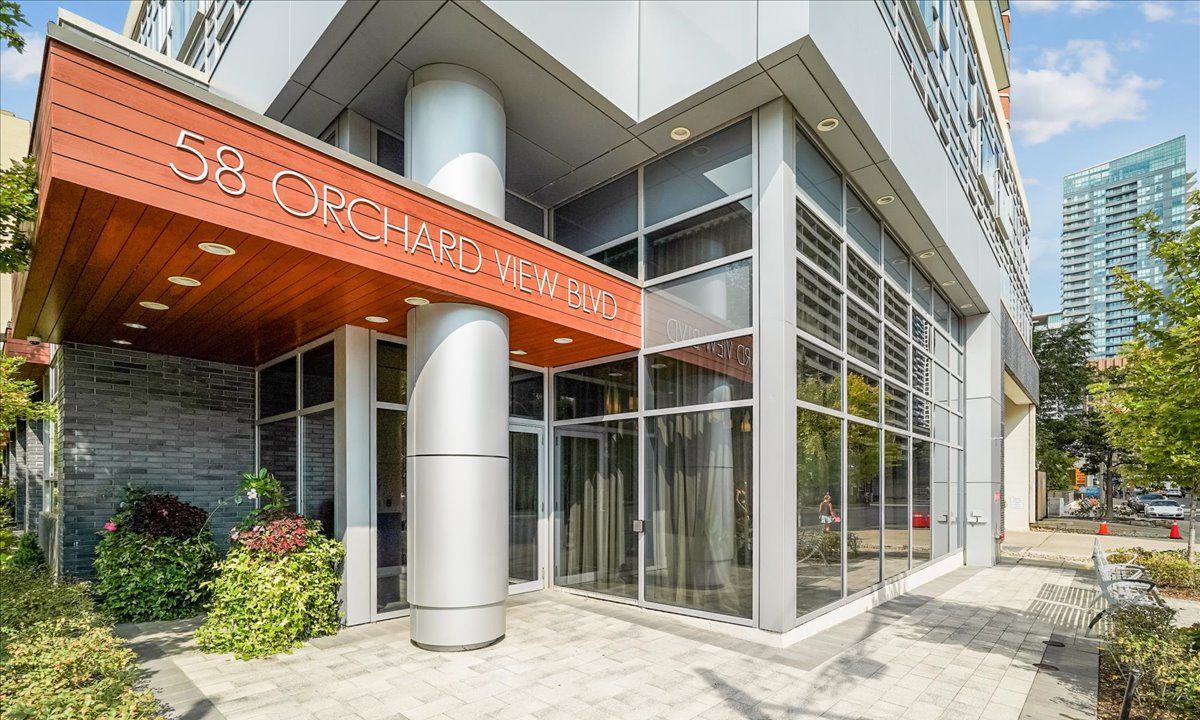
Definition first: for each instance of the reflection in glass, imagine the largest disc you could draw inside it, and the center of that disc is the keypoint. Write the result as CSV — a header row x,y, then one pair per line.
x,y
699,529
817,243
922,290
705,237
277,388
391,373
818,377
862,507
862,280
862,335
524,214
895,307
707,303
818,510
941,311
712,372
895,355
606,389
895,406
921,331
707,170
957,495
817,178
922,520
818,307
622,257
526,395
599,217
921,420
317,366
391,512
318,469
862,226
389,152
942,509
922,370
595,506
523,458
895,261
895,504
862,393
277,453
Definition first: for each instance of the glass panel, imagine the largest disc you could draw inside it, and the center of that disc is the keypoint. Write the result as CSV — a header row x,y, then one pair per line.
x,y
862,280
862,335
861,224
920,416
817,178
700,239
862,507
895,261
718,371
523,464
895,307
921,331
709,169
622,257
277,388
941,384
391,511
389,152
895,504
818,510
941,348
941,424
595,506
818,307
817,243
524,214
956,394
606,389
277,453
391,373
818,377
699,530
706,303
941,311
921,371
317,366
526,394
318,469
922,290
957,493
862,393
599,217
895,355
922,539
941,500
895,406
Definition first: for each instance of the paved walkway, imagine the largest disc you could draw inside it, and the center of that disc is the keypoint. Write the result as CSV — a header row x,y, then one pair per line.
x,y
963,647
1076,547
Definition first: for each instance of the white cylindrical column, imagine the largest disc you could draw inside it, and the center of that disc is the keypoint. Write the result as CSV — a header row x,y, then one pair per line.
x,y
457,475
454,135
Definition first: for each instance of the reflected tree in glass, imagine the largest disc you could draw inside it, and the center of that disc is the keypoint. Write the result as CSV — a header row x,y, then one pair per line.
x,y
863,495
895,508
818,510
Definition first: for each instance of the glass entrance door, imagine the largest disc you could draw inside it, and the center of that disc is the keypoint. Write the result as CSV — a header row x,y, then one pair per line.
x,y
526,509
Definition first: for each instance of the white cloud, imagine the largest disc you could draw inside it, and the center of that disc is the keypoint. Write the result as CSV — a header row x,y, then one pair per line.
x,y
18,67
1040,248
1157,11
1075,87
1030,181
1075,7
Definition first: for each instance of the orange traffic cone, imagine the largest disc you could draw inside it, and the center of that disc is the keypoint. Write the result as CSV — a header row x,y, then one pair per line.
x,y
1103,529
1175,534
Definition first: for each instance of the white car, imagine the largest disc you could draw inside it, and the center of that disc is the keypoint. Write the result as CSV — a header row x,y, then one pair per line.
x,y
1172,491
1164,509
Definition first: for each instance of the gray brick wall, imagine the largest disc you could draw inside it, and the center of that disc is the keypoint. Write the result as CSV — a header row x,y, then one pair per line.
x,y
160,422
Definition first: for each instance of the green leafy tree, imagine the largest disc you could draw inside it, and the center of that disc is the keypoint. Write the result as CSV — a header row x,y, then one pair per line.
x,y
11,18
15,394
18,209
1062,355
1151,405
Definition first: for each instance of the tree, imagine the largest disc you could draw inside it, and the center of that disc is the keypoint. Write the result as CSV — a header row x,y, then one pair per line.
x,y
15,394
18,209
1151,405
11,18
1099,455
1061,355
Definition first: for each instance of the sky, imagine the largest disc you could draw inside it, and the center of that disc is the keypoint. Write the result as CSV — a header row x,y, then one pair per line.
x,y
1092,80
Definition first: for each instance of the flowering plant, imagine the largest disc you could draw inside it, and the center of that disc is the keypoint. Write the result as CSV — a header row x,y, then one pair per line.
x,y
278,536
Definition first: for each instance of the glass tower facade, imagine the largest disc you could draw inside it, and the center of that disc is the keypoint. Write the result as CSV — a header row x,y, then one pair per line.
x,y
1099,206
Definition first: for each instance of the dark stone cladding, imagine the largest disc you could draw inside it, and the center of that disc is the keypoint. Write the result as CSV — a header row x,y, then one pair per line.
x,y
155,421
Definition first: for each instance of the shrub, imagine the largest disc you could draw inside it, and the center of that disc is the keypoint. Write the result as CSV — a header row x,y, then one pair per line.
x,y
1168,568
29,555
274,590
29,597
155,559
1147,639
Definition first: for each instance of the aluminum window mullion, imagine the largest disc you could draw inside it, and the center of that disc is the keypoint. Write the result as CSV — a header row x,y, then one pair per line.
x,y
692,409
697,269
699,210
702,340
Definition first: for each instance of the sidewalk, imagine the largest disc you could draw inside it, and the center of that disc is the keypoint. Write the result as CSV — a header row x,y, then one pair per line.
x,y
1075,548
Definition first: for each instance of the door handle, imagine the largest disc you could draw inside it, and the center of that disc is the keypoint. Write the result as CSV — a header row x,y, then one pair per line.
x,y
639,526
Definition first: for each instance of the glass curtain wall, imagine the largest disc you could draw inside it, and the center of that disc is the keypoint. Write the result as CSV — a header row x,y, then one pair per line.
x,y
683,224
878,383
295,429
391,500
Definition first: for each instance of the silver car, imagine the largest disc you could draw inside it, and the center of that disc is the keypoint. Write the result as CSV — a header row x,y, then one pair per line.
x,y
1164,509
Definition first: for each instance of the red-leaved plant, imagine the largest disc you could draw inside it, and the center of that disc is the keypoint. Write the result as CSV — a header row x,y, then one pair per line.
x,y
278,536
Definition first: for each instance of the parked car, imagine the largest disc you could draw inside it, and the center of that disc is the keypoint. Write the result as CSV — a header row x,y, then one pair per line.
x,y
1138,502
1164,509
1172,490
1089,491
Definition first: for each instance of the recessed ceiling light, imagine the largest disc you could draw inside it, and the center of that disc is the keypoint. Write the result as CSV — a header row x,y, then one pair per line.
x,y
375,319
828,124
121,342
34,340
657,366
216,248
885,200
964,306
564,340
151,305
701,150
615,373
135,326
927,254
416,301
950,283
517,352
680,133
184,281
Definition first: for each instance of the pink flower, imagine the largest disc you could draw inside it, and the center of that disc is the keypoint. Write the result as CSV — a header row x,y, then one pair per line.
x,y
110,526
